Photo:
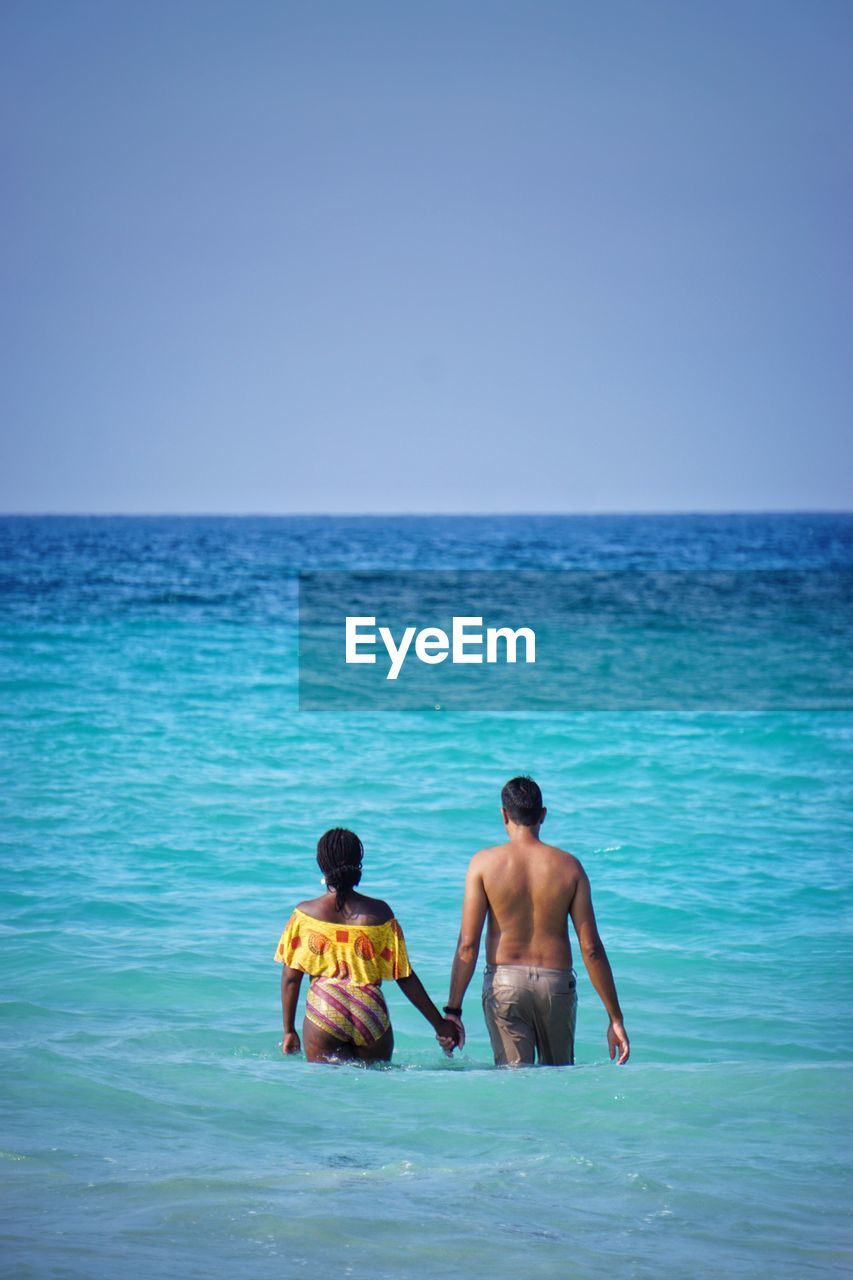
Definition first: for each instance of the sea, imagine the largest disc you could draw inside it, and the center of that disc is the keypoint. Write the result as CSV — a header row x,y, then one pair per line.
x,y
162,794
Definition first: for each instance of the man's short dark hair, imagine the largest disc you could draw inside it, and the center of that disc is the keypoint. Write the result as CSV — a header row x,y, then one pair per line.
x,y
522,800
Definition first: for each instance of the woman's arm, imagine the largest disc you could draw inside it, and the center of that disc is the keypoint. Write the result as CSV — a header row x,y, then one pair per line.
x,y
413,989
291,981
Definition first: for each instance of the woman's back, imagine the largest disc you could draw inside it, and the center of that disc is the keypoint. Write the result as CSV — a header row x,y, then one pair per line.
x,y
348,945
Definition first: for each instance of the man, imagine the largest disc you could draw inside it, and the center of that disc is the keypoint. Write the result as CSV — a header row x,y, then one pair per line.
x,y
527,890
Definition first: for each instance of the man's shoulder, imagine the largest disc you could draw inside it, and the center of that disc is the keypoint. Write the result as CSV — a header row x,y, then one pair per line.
x,y
562,865
494,852
488,854
569,858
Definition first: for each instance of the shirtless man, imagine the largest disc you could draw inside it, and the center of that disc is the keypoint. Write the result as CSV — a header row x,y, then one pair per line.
x,y
528,890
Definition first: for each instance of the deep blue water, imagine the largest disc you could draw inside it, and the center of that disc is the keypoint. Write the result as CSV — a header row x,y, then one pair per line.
x,y
161,800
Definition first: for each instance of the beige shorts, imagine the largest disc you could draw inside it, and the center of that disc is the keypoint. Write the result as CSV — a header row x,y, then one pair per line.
x,y
530,1013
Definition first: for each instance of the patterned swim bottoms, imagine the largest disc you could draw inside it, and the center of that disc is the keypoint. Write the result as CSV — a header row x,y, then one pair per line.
x,y
349,1011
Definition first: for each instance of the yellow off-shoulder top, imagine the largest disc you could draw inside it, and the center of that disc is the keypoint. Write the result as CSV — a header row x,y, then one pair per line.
x,y
362,953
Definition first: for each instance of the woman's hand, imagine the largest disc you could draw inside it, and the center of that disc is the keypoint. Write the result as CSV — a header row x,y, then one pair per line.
x,y
290,1043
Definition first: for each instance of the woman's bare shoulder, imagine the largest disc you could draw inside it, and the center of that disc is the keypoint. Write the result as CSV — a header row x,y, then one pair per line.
x,y
313,907
375,910
362,910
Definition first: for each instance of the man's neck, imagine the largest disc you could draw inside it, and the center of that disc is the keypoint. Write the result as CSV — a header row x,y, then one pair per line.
x,y
519,834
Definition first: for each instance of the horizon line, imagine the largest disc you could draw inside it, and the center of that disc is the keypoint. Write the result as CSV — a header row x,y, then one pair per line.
x,y
420,515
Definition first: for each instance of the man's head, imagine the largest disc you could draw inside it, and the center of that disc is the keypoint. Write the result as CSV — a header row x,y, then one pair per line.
x,y
521,803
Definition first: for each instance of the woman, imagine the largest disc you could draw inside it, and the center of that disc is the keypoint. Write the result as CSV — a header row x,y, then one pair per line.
x,y
348,944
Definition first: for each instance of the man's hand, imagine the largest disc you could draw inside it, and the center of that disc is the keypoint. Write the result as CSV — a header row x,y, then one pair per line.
x,y
290,1043
617,1041
450,1035
454,1018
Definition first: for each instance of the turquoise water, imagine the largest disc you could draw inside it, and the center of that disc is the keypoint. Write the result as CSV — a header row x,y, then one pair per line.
x,y
161,801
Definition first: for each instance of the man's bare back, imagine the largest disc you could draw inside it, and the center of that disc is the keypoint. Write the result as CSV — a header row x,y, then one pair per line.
x,y
529,887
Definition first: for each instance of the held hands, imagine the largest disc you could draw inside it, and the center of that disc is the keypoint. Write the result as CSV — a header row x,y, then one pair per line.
x,y
617,1041
290,1043
454,1018
450,1034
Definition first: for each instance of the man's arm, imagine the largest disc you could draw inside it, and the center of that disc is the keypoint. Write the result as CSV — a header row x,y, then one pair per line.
x,y
598,966
291,981
475,906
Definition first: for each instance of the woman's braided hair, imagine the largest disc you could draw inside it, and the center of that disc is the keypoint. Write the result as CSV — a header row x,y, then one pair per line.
x,y
339,855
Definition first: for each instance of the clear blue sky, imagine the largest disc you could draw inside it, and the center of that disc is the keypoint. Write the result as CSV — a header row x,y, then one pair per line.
x,y
426,256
